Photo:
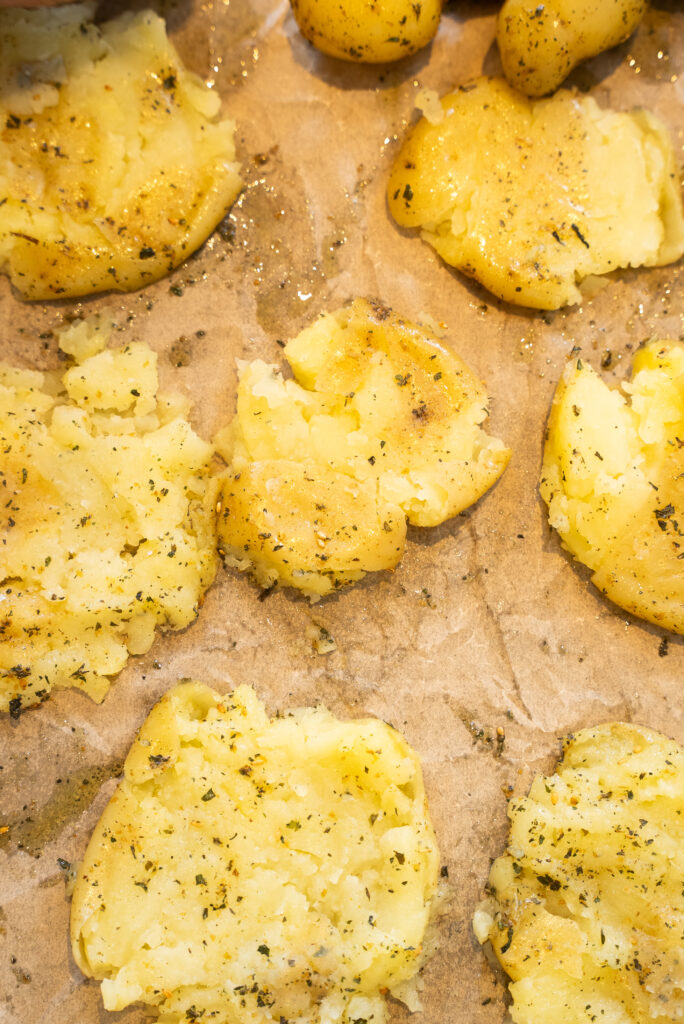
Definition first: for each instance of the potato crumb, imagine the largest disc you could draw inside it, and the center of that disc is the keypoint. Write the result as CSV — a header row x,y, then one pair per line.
x,y
428,102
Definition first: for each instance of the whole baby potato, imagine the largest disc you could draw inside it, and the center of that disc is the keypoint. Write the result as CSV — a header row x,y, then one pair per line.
x,y
368,31
540,43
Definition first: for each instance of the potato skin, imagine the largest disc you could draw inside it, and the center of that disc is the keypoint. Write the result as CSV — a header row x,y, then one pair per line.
x,y
367,31
540,44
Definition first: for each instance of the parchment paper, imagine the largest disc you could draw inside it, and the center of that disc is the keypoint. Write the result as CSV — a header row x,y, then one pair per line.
x,y
487,622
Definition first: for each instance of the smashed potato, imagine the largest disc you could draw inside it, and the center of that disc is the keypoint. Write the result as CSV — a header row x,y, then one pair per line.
x,y
115,167
381,424
484,181
107,518
540,44
613,478
365,31
587,909
250,870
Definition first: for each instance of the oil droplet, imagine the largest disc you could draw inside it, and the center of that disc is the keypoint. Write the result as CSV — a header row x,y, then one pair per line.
x,y
68,801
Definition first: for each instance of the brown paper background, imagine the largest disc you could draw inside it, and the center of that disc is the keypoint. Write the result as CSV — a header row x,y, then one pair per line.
x,y
486,622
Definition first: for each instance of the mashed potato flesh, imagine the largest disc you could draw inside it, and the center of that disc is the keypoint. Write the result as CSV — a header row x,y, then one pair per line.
x,y
381,424
114,165
107,521
613,479
531,197
587,910
251,870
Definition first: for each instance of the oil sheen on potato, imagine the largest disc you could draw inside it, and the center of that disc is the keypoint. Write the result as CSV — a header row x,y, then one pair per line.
x,y
531,197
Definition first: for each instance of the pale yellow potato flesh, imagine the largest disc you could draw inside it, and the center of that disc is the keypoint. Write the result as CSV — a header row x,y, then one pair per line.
x,y
381,424
613,480
250,870
540,44
366,31
114,165
531,197
108,521
586,912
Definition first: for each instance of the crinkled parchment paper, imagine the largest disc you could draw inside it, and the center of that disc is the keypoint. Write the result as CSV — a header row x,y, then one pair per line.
x,y
486,623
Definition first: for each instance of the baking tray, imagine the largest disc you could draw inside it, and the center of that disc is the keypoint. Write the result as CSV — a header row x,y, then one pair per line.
x,y
487,623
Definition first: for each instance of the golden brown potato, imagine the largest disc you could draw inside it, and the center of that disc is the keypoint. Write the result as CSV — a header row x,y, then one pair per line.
x,y
586,906
306,526
613,478
108,520
483,180
381,424
367,31
115,164
250,870
540,44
